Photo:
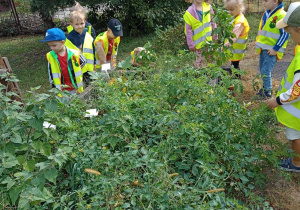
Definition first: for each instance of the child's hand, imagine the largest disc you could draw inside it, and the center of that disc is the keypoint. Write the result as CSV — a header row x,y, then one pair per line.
x,y
272,103
272,52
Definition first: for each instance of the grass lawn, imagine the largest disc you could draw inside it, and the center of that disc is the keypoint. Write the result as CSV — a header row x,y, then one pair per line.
x,y
27,57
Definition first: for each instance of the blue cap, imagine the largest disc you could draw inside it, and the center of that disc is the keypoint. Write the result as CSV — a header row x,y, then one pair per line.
x,y
116,27
54,34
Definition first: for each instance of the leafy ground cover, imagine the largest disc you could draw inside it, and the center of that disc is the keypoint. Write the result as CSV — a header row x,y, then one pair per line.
x,y
165,138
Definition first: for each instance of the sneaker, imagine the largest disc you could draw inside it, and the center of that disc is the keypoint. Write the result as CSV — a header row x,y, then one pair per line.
x,y
261,94
287,165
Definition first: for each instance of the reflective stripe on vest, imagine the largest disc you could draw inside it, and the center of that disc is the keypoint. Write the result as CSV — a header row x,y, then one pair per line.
x,y
56,70
268,35
201,30
88,52
103,37
289,114
240,44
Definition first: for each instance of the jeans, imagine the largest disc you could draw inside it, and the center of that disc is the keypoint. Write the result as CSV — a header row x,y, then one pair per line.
x,y
266,65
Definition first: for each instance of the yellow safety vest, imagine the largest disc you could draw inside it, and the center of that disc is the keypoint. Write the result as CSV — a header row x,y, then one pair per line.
x,y
201,30
268,35
56,70
289,114
70,28
87,51
132,56
239,46
297,49
103,37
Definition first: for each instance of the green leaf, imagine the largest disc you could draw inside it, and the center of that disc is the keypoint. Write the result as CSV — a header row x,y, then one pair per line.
x,y
36,123
46,149
11,162
14,194
10,148
244,179
42,165
37,135
51,175
9,182
29,165
51,105
37,145
21,159
23,203
16,138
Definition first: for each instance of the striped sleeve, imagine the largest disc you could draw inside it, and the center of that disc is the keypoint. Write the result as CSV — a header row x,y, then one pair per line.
x,y
283,37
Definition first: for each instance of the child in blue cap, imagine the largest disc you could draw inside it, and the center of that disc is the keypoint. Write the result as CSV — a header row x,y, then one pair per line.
x,y
64,64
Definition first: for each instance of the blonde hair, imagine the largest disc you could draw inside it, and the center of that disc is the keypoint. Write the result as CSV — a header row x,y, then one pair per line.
x,y
239,3
76,14
78,8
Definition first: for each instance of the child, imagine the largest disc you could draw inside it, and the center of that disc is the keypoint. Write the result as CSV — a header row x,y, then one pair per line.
x,y
88,27
134,54
107,43
63,64
241,29
270,43
198,27
287,102
79,39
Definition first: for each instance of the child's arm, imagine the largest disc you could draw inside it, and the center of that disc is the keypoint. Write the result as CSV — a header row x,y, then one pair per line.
x,y
292,95
189,37
282,38
50,76
237,30
82,60
100,52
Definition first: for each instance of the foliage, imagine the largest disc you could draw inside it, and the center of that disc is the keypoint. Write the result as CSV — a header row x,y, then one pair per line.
x,y
137,16
162,139
215,51
169,39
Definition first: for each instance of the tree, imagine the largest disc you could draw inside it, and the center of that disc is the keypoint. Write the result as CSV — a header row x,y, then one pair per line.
x,y
46,9
136,15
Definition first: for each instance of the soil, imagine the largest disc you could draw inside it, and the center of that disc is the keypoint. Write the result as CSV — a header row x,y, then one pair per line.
x,y
281,192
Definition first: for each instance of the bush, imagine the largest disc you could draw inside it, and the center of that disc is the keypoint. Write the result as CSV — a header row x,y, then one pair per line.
x,y
161,140
136,16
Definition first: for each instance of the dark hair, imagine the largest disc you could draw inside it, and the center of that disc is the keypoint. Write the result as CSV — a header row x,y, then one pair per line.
x,y
280,1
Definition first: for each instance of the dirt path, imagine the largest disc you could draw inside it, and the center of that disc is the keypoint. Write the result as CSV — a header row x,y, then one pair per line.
x,y
281,193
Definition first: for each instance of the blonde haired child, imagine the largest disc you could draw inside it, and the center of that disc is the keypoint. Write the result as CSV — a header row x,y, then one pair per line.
x,y
241,29
79,39
88,27
198,27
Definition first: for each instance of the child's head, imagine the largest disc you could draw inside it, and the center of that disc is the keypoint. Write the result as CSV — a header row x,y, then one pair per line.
x,y
55,38
234,7
114,28
77,21
271,4
291,22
